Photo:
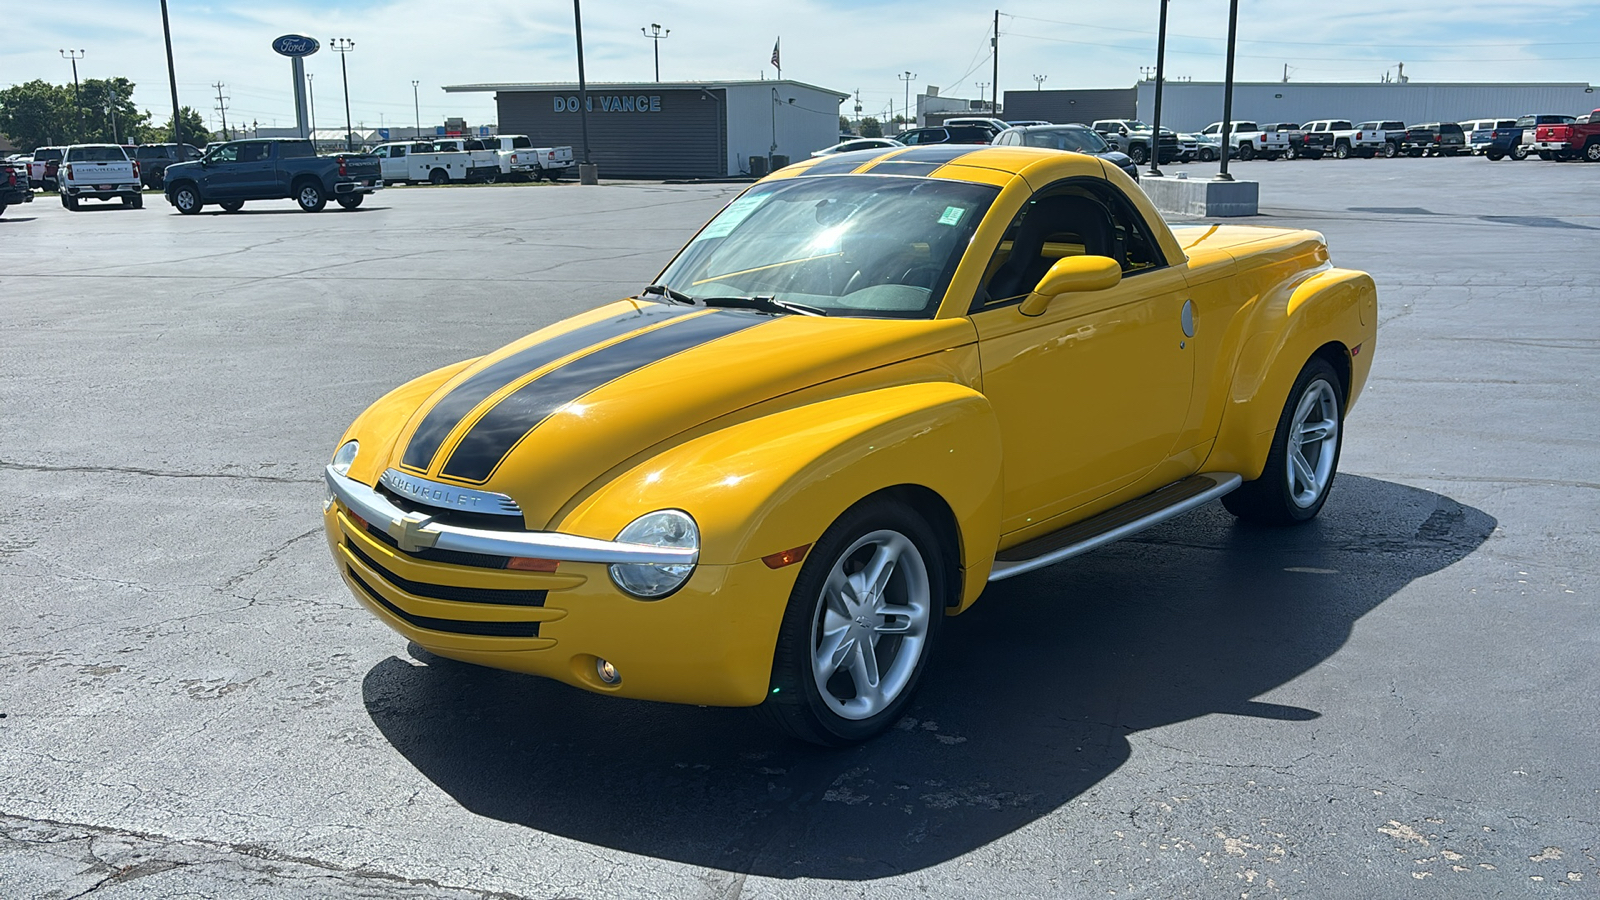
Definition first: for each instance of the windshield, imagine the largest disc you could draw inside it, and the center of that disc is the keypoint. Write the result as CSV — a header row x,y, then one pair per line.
x,y
1080,140
863,245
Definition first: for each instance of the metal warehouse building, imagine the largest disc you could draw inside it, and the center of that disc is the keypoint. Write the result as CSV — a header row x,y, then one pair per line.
x,y
673,129
1190,106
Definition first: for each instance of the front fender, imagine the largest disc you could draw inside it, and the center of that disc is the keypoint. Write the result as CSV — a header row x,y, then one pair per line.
x,y
777,482
1336,307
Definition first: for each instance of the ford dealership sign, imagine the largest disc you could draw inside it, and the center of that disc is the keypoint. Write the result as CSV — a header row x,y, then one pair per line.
x,y
296,45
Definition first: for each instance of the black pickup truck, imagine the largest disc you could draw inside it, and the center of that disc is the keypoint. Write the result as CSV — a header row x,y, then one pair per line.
x,y
14,187
236,171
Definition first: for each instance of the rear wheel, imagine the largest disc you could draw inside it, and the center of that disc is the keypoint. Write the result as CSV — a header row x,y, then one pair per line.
x,y
1304,456
310,196
1546,155
70,202
1206,155
1493,156
1291,153
1247,152
186,198
351,201
859,627
1341,150
1591,153
232,205
1390,150
1519,152
438,176
133,201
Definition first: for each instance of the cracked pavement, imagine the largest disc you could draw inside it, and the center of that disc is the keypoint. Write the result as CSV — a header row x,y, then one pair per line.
x,y
1399,700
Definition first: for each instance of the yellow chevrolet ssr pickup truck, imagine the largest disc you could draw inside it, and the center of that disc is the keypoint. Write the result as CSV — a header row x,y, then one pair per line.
x,y
872,384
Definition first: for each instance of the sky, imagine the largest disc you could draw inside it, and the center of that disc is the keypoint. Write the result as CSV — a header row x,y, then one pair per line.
x,y
865,45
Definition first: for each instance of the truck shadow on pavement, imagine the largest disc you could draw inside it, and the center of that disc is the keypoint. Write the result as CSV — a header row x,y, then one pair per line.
x,y
1028,704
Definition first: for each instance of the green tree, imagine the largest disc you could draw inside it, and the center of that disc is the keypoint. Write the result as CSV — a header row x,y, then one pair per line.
x,y
38,114
108,111
194,129
844,125
871,128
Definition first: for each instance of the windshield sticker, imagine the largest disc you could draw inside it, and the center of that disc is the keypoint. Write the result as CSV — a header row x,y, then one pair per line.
x,y
952,215
737,212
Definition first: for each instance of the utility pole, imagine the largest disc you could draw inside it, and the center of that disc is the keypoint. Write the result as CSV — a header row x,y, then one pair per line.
x,y
907,77
656,34
111,112
222,109
416,107
343,46
994,99
1161,75
1038,82
587,172
75,55
1227,91
858,110
172,79
982,86
311,104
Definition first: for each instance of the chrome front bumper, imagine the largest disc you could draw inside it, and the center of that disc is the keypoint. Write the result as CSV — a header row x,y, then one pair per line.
x,y
414,531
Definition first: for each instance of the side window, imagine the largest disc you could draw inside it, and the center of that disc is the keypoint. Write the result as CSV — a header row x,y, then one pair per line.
x,y
908,138
253,152
521,143
226,153
1084,217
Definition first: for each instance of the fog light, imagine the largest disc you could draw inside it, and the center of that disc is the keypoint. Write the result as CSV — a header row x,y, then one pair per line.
x,y
607,672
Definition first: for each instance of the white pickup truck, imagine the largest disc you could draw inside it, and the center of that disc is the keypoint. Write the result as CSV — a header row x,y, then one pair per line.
x,y
410,162
98,172
1379,137
1344,135
519,158
1248,140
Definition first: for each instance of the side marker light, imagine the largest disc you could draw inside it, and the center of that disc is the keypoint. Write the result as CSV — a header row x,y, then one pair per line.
x,y
787,557
529,564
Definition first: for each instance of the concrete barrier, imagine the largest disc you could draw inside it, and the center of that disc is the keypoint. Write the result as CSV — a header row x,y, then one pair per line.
x,y
1205,197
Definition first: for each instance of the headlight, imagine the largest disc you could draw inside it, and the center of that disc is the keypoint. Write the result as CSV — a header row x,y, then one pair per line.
x,y
663,528
345,456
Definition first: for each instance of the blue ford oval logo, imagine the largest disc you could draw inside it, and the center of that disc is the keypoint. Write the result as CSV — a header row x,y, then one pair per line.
x,y
296,45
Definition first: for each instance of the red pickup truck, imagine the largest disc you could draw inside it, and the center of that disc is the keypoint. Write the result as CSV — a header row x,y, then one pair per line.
x,y
1579,139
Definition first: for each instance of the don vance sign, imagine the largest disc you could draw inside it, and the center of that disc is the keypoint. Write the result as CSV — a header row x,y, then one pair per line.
x,y
625,103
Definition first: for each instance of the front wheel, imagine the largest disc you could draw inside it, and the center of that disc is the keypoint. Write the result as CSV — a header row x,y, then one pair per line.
x,y
1138,155
859,627
1246,152
1304,456
1591,153
1493,156
351,201
187,199
310,197
1207,156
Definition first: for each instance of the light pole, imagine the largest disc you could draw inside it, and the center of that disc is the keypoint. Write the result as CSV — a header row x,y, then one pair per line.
x,y
587,172
311,104
75,55
657,34
906,77
416,107
1038,82
343,46
172,79
1227,92
1161,75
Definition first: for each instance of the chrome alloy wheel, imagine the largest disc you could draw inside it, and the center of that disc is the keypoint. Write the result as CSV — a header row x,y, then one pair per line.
x,y
184,200
871,627
309,196
1313,443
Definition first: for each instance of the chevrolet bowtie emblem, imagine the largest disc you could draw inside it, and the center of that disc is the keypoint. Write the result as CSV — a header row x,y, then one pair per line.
x,y
411,532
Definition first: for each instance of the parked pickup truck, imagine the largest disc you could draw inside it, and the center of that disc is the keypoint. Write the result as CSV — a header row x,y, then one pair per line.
x,y
1132,137
14,185
1248,140
1517,141
519,158
1434,139
1341,135
1379,137
154,159
98,172
234,172
42,171
1304,143
1581,139
485,165
1484,132
413,162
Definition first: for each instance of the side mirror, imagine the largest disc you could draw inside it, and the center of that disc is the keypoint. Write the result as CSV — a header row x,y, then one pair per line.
x,y
1072,275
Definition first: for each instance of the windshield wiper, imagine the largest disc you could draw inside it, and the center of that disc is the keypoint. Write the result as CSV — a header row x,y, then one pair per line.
x,y
666,293
764,303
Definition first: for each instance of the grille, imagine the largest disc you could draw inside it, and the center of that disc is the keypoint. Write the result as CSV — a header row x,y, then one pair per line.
x,y
449,591
449,557
453,626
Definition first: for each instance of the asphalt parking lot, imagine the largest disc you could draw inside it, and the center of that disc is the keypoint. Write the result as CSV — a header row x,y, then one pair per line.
x,y
1400,699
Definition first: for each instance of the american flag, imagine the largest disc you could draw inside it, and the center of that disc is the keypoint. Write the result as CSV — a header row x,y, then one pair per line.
x,y
775,53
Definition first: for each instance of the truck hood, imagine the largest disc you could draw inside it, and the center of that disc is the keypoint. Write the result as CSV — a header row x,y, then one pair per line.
x,y
546,416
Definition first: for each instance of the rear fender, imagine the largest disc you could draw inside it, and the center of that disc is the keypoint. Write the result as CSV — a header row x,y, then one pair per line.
x,y
1336,308
776,483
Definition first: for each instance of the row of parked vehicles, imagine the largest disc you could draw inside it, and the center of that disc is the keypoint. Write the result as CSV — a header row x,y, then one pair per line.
x,y
1549,136
228,174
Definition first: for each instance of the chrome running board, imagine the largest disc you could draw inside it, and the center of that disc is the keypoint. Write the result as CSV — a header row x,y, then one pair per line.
x,y
1114,524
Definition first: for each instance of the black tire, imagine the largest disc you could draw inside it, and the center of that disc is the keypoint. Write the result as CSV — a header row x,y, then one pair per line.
x,y
1546,155
1591,153
1494,157
795,704
1247,152
1271,498
1341,150
1291,153
351,201
1390,149
186,198
135,201
231,205
310,196
1519,152
438,176
1415,152
1138,154
70,202
1206,155
3,206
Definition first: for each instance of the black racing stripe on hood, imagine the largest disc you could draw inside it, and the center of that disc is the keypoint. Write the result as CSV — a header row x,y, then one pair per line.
x,y
502,427
896,167
454,406
844,163
938,153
